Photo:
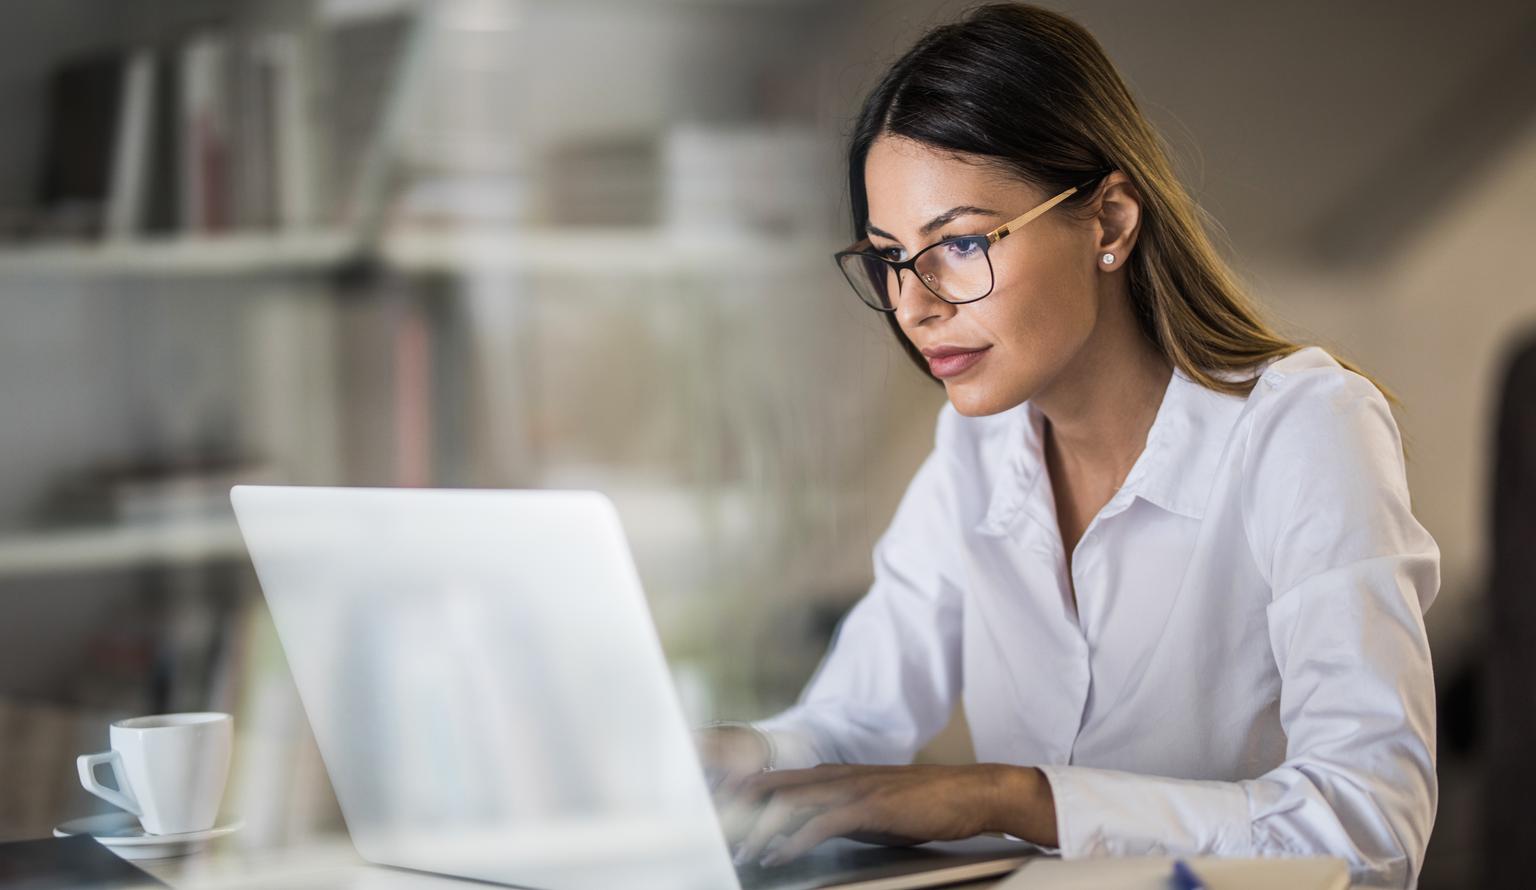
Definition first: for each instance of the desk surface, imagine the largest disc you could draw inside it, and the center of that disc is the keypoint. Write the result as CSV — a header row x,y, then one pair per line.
x,y
334,865
315,866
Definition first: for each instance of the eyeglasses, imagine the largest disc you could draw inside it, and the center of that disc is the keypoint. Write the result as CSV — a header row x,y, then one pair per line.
x,y
956,270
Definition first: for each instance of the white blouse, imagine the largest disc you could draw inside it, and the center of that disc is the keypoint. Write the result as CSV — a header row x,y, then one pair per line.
x,y
1246,671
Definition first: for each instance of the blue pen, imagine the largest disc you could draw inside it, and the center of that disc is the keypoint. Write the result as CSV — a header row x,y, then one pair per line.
x,y
1184,877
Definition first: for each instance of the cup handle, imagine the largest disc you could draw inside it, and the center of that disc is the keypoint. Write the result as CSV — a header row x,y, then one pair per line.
x,y
122,795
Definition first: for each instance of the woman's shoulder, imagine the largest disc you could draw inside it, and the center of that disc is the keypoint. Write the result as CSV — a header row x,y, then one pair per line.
x,y
1311,418
1310,373
1306,405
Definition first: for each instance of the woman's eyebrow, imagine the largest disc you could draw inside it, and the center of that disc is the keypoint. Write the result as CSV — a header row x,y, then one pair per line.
x,y
937,222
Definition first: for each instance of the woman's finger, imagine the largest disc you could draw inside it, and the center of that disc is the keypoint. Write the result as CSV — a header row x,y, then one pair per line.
x,y
829,824
782,815
737,818
770,820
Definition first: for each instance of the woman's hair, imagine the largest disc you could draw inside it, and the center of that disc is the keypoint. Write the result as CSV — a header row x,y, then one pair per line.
x,y
1032,93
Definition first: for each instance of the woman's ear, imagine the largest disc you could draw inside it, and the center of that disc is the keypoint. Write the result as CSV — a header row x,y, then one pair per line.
x,y
1118,220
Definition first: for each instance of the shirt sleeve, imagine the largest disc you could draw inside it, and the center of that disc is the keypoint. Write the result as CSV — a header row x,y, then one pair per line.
x,y
892,675
1351,572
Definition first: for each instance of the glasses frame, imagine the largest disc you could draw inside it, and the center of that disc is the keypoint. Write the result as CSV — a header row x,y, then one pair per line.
x,y
860,248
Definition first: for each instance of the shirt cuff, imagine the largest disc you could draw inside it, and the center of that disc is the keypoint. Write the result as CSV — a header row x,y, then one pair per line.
x,y
1102,812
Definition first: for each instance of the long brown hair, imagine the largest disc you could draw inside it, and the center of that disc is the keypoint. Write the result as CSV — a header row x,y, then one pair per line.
x,y
1031,92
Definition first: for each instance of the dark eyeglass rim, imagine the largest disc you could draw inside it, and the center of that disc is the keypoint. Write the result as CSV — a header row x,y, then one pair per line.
x,y
988,240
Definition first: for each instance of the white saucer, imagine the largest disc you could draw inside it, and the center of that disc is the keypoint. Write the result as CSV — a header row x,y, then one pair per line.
x,y
122,833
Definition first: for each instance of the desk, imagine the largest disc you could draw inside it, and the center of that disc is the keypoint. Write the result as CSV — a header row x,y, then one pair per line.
x,y
327,865
333,864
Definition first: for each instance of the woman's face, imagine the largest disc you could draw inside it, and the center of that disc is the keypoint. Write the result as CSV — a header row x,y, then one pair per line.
x,y
1045,299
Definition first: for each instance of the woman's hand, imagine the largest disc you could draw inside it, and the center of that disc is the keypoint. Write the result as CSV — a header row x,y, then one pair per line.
x,y
729,755
886,804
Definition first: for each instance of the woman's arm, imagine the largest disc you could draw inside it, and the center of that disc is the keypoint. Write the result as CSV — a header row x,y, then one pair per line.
x,y
887,804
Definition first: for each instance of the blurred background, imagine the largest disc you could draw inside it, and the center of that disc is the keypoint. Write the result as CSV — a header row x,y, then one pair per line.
x,y
587,244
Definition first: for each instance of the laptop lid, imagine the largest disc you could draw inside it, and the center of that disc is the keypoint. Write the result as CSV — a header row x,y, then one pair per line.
x,y
485,684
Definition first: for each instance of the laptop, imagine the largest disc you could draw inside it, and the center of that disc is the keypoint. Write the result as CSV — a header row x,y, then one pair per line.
x,y
491,699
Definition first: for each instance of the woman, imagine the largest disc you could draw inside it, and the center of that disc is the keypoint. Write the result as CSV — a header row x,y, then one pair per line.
x,y
1164,555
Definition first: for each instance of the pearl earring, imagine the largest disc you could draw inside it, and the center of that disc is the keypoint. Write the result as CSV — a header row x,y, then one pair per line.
x,y
1109,258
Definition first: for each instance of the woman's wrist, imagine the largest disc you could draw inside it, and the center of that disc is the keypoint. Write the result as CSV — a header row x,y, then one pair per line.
x,y
770,755
1020,803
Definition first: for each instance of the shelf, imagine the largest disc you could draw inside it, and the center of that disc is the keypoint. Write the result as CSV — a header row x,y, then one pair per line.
x,y
595,251
178,542
188,256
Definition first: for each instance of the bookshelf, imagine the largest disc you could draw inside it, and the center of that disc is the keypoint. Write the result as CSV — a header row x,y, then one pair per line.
x,y
131,199
445,359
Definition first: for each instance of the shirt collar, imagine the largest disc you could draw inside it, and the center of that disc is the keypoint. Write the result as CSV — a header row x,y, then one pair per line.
x,y
1174,471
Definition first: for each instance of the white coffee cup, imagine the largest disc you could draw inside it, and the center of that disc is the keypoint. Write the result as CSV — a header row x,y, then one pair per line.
x,y
170,769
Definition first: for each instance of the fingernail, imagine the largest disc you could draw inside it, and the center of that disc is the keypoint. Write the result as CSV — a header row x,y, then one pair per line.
x,y
769,859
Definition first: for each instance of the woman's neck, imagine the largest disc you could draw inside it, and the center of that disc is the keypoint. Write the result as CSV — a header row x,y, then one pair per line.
x,y
1102,405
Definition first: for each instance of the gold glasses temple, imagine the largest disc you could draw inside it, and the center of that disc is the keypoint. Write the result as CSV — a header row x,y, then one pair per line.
x,y
1006,228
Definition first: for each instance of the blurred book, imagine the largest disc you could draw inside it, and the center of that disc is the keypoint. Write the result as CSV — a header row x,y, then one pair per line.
x,y
161,174
247,133
84,105
132,143
255,125
205,134
293,129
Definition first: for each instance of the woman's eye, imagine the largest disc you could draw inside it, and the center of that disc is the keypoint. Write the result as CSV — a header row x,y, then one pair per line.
x,y
963,247
890,253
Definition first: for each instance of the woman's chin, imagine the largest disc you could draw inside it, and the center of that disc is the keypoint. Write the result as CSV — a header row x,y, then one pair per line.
x,y
972,400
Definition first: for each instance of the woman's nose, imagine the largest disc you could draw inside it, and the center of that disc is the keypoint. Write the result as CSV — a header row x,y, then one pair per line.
x,y
914,301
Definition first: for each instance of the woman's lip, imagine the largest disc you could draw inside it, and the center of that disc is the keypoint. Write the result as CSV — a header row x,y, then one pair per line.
x,y
957,363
